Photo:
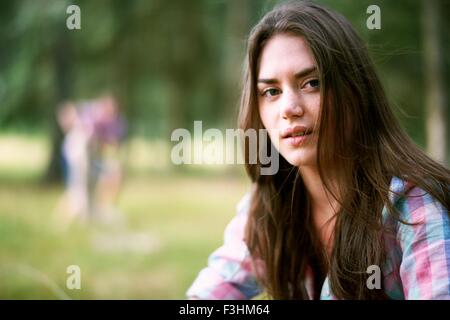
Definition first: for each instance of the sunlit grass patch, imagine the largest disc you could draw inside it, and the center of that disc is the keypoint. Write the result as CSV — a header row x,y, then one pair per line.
x,y
23,156
178,219
171,223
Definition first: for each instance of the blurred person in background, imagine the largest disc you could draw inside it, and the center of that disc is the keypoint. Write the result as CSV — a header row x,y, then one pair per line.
x,y
93,134
75,158
105,150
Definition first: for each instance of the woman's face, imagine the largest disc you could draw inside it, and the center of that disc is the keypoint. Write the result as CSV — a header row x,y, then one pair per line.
x,y
289,97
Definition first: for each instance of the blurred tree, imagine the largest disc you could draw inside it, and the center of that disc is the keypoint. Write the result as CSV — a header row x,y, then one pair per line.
x,y
237,24
172,62
434,80
62,55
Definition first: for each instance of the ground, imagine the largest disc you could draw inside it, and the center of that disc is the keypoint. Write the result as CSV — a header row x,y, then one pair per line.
x,y
171,222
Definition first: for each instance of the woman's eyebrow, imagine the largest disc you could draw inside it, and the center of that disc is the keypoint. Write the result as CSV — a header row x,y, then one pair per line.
x,y
305,72
301,74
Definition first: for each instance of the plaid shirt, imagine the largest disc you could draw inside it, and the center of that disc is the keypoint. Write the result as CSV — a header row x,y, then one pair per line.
x,y
417,264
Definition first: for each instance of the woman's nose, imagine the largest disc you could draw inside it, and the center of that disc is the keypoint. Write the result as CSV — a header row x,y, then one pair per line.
x,y
291,105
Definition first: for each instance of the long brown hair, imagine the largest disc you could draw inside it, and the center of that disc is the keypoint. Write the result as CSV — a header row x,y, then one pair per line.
x,y
371,149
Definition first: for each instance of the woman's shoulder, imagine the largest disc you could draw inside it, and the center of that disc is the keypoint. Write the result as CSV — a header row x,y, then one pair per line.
x,y
419,251
418,217
413,204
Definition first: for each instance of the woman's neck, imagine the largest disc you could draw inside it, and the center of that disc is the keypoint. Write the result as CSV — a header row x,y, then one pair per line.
x,y
318,195
323,205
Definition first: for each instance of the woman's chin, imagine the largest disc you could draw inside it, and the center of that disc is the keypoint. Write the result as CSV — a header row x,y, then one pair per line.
x,y
299,160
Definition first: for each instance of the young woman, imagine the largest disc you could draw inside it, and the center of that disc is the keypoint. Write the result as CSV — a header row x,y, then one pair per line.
x,y
353,195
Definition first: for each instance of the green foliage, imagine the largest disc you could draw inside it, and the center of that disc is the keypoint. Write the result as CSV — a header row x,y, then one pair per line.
x,y
172,62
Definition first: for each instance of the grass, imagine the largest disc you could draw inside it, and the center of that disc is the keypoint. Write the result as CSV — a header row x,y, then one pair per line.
x,y
171,224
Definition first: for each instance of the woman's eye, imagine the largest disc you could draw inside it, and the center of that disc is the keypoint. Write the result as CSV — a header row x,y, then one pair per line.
x,y
270,92
314,83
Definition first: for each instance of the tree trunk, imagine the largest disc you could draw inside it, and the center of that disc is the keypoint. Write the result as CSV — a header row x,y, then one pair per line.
x,y
434,78
63,79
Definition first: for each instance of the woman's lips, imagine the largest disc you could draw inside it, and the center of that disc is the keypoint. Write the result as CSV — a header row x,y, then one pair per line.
x,y
296,135
296,141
